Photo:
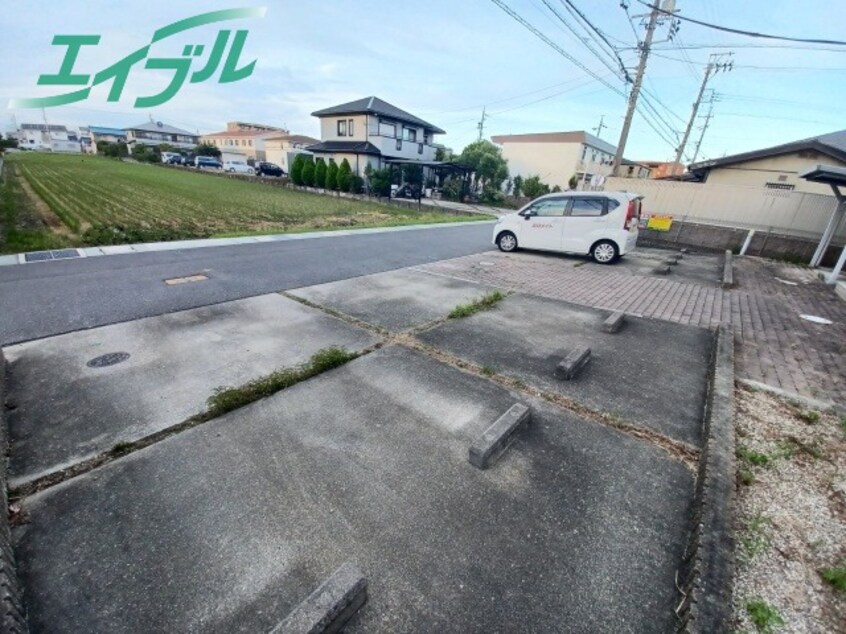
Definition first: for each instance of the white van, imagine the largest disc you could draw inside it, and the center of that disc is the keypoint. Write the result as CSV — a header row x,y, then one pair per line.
x,y
600,224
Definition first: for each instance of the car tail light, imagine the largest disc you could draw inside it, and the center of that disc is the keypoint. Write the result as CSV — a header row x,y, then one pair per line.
x,y
632,214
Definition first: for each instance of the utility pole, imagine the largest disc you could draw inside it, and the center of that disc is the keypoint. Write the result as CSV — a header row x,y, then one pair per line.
x,y
711,100
598,129
635,93
481,124
714,66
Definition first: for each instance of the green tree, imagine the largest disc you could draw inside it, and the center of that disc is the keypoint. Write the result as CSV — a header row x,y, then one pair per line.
x,y
320,173
344,176
573,182
296,171
440,154
533,187
332,176
308,172
489,168
413,174
207,149
517,186
556,189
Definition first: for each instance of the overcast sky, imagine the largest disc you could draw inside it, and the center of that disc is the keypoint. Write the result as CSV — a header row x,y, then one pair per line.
x,y
444,60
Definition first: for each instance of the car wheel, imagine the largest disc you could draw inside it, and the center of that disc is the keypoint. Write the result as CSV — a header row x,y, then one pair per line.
x,y
231,170
604,252
506,241
251,172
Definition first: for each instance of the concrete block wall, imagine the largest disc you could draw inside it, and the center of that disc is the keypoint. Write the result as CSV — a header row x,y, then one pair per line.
x,y
12,617
705,237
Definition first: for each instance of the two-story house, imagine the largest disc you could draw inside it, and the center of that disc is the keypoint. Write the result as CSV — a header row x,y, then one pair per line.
x,y
247,140
372,131
156,133
557,156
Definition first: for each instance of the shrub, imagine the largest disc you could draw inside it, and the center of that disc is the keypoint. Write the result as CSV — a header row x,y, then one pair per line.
x,y
491,196
320,173
380,182
517,186
344,176
573,182
296,173
332,176
533,187
356,184
308,172
453,189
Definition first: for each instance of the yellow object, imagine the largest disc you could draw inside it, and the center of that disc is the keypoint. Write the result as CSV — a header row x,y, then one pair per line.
x,y
660,223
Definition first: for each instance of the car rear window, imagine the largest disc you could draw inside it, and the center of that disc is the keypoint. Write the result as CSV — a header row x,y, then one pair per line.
x,y
588,207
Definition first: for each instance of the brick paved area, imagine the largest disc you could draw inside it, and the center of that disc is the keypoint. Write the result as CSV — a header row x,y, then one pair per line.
x,y
775,346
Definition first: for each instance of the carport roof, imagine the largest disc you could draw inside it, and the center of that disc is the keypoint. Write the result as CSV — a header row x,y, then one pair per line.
x,y
826,174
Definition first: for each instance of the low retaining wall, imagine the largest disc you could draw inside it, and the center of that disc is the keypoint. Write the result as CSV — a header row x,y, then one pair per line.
x,y
707,572
717,238
12,619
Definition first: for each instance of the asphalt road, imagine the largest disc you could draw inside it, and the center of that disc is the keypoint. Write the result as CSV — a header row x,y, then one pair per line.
x,y
49,298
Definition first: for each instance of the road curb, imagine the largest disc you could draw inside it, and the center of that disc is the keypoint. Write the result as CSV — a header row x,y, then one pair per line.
x,y
12,615
706,574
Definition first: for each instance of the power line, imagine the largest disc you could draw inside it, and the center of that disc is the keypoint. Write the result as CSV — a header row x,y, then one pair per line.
x,y
573,9
515,16
742,32
610,66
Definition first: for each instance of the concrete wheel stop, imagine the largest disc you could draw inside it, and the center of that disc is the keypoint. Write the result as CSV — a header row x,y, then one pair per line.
x,y
573,363
614,322
493,442
327,609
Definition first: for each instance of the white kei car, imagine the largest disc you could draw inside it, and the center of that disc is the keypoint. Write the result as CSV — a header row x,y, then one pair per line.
x,y
238,167
600,224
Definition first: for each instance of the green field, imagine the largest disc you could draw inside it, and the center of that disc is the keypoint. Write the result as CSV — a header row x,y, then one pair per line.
x,y
52,200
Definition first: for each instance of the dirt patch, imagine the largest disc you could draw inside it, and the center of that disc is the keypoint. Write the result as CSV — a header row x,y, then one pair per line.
x,y
791,516
41,215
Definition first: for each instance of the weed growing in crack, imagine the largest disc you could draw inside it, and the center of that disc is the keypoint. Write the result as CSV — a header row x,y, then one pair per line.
x,y
753,457
756,536
226,399
487,370
764,617
484,303
836,576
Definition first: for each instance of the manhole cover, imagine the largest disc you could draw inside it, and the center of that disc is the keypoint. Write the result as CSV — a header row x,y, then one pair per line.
x,y
105,360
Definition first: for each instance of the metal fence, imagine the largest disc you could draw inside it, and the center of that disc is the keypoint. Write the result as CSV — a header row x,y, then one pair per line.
x,y
791,213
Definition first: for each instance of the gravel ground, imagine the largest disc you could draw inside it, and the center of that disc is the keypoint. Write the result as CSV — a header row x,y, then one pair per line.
x,y
791,516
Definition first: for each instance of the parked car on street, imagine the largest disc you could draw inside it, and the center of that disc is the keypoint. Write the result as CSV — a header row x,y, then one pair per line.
x,y
171,158
263,168
207,162
600,224
238,167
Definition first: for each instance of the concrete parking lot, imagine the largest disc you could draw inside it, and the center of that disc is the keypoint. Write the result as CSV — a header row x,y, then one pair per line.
x,y
582,524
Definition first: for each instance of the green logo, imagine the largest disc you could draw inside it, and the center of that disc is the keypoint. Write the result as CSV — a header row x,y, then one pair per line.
x,y
118,72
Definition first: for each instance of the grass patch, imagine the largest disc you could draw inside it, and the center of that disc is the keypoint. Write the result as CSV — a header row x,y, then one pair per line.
x,y
21,228
226,399
746,477
484,303
836,576
753,457
122,448
843,424
811,417
487,370
98,201
764,617
756,537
